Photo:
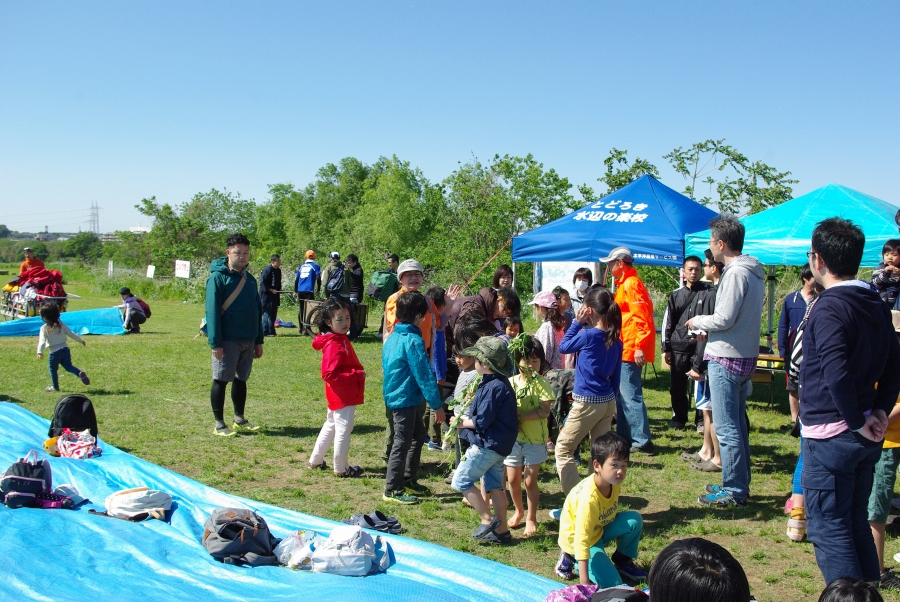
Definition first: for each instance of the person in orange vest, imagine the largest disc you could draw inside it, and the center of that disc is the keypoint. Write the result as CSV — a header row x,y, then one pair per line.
x,y
638,348
31,261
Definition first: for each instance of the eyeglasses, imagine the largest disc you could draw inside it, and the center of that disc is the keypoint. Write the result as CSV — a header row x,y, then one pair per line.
x,y
809,254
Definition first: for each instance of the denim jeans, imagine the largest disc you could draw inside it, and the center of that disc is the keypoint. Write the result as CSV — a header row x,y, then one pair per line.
x,y
729,408
837,481
625,530
270,314
632,423
60,357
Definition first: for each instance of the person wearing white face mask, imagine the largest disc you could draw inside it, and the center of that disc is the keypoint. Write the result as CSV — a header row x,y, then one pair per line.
x,y
581,281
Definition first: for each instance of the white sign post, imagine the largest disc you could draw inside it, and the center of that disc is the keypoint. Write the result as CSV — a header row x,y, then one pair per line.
x,y
109,269
182,269
151,270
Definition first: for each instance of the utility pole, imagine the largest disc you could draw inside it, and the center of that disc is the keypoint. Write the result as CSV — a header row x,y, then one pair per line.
x,y
95,218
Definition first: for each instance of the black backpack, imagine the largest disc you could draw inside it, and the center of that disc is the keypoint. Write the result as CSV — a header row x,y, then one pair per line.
x,y
335,280
563,383
73,412
239,536
24,481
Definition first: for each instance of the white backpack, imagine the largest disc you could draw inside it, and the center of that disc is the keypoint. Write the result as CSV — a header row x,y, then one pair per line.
x,y
348,551
138,503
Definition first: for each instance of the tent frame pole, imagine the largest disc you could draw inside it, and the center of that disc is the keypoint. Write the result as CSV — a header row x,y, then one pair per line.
x,y
770,281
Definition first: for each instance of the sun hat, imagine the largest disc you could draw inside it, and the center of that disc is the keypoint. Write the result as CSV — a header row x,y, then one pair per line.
x,y
544,299
491,352
618,253
310,254
410,265
27,249
334,255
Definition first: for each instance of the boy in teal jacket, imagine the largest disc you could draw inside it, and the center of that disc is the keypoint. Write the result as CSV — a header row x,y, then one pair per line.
x,y
407,379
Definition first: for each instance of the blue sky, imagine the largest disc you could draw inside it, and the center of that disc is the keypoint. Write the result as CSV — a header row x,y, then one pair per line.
x,y
112,102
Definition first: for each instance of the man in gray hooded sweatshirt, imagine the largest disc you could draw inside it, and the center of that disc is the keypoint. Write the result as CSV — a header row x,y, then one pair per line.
x,y
732,350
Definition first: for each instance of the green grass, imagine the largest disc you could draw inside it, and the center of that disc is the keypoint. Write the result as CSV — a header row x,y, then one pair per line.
x,y
152,398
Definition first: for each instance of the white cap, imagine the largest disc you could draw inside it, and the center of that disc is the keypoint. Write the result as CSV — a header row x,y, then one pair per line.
x,y
618,253
410,265
334,255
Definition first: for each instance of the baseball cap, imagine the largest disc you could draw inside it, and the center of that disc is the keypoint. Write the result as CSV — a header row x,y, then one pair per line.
x,y
27,249
310,254
544,299
410,265
618,253
334,255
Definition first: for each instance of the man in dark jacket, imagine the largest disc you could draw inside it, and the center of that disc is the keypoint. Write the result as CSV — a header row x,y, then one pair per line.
x,y
791,315
355,273
234,328
683,304
849,347
269,285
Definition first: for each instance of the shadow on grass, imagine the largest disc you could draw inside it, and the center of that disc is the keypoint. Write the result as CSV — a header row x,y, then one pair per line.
x,y
760,509
11,399
108,392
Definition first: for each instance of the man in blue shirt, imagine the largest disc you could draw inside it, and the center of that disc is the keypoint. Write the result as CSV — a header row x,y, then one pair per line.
x,y
309,278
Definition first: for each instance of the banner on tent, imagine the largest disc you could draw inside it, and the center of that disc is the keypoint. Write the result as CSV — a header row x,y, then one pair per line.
x,y
615,211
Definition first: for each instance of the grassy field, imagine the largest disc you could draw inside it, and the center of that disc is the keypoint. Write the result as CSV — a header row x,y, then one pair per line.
x,y
152,397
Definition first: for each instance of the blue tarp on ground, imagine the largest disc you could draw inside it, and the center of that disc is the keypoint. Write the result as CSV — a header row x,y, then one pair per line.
x,y
646,216
782,234
72,555
87,321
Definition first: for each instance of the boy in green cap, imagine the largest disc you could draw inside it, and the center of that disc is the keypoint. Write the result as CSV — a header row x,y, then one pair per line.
x,y
490,428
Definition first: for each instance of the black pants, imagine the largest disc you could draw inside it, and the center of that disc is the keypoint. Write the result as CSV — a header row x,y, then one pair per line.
x,y
308,296
678,389
406,452
135,319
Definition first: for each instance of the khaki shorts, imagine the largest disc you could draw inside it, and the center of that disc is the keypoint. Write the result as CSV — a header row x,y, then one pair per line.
x,y
237,361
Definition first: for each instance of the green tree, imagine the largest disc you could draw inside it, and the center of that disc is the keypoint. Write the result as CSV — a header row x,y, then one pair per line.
x,y
84,246
619,173
4,231
734,183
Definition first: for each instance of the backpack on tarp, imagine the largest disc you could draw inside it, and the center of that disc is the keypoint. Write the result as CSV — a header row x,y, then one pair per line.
x,y
348,551
382,285
138,504
73,412
144,307
239,536
22,482
335,280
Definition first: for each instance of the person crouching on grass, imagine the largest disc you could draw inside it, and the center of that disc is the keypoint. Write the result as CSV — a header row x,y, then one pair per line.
x,y
590,519
490,429
407,379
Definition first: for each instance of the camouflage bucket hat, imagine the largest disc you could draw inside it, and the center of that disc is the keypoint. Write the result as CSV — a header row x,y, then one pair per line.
x,y
491,352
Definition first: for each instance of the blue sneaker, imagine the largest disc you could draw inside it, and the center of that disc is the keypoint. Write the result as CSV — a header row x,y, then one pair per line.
x,y
713,489
722,499
630,572
435,447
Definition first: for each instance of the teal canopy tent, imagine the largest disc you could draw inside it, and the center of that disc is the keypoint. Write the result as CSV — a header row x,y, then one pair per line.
x,y
781,235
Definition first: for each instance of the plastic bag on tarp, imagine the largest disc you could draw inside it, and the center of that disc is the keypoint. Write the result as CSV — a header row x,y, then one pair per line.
x,y
295,550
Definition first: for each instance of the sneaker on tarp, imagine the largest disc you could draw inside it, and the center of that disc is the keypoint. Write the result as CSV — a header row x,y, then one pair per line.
x,y
399,497
565,566
244,425
223,431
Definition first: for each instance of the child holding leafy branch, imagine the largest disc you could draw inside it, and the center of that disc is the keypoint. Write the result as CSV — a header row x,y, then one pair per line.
x,y
534,395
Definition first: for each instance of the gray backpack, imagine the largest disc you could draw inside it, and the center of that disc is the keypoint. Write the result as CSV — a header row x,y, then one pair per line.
x,y
239,536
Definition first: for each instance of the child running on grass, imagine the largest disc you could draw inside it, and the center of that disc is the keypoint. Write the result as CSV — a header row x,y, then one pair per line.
x,y
590,520
407,379
490,428
53,335
534,395
345,381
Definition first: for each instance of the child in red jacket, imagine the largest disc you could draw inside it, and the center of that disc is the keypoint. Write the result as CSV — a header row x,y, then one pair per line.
x,y
345,382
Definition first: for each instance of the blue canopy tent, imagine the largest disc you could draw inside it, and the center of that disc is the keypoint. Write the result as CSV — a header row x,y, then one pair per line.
x,y
647,216
781,235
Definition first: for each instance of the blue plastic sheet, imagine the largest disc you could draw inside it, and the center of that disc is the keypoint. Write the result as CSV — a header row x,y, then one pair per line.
x,y
87,321
73,555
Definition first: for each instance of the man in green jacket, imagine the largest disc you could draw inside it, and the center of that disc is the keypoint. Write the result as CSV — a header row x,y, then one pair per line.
x,y
234,327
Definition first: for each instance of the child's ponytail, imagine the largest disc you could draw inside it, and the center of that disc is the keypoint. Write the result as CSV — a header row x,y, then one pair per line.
x,y
603,303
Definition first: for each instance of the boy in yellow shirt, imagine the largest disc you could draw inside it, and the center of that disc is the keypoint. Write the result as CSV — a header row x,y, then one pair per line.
x,y
590,519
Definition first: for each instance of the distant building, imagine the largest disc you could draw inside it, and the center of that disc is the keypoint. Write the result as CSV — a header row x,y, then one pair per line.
x,y
139,229
109,237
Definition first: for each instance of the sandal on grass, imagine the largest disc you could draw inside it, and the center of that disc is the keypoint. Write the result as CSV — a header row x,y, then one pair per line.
x,y
321,466
352,471
706,466
694,457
